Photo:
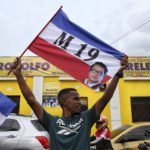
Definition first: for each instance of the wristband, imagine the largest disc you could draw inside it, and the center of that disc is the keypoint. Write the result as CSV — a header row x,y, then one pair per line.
x,y
120,75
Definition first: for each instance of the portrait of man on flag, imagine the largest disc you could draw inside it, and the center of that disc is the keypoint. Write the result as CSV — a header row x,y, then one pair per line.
x,y
76,51
97,73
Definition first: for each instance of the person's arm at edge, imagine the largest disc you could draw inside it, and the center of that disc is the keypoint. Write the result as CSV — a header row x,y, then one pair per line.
x,y
104,100
27,93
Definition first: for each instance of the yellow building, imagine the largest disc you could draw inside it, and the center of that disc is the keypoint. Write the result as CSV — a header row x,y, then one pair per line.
x,y
129,104
45,81
134,91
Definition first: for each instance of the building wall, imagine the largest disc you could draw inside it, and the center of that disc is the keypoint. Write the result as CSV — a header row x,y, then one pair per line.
x,y
119,112
127,89
10,87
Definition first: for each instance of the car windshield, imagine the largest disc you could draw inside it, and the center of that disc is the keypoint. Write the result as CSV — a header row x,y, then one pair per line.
x,y
119,130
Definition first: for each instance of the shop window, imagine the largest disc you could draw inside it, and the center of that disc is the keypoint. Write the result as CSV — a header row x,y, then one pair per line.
x,y
16,99
140,109
50,101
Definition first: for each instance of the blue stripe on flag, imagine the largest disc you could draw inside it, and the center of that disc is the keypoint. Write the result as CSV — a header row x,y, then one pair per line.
x,y
6,105
61,20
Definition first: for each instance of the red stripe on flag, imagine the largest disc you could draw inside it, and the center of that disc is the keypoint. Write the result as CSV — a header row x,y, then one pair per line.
x,y
60,58
106,78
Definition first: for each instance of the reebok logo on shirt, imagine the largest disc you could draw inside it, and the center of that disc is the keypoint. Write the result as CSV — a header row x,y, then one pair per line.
x,y
70,128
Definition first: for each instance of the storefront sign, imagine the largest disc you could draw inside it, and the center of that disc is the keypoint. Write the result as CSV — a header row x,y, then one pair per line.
x,y
31,66
51,88
138,67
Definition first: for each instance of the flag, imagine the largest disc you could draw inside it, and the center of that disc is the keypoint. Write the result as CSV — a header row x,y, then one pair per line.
x,y
75,51
6,107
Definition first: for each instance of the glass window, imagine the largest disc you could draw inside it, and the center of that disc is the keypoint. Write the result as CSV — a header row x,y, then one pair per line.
x,y
10,125
50,101
37,125
119,130
140,109
16,99
140,133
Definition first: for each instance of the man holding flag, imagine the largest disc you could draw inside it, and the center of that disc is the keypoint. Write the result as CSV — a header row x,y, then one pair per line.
x,y
64,43
72,130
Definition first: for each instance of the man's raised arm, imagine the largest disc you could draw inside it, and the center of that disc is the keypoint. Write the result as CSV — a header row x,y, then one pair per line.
x,y
103,101
27,93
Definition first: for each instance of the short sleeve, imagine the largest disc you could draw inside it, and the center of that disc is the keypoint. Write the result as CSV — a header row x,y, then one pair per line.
x,y
91,114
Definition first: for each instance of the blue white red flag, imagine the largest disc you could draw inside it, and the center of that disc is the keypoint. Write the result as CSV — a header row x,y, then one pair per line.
x,y
74,50
6,107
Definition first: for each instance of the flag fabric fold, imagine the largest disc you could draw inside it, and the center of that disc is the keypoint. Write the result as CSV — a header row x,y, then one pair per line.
x,y
6,107
74,50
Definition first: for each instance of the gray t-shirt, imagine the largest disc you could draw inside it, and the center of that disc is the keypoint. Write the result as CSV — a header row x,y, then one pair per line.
x,y
70,133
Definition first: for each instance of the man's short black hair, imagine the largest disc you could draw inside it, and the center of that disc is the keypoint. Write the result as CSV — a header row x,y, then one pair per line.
x,y
100,64
62,93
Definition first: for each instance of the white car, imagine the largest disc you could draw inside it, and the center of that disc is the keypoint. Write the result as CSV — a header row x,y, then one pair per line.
x,y
23,133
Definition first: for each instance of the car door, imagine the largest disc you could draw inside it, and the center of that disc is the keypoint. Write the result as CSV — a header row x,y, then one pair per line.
x,y
10,132
134,137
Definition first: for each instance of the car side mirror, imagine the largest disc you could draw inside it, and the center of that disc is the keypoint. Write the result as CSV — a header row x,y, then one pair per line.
x,y
122,139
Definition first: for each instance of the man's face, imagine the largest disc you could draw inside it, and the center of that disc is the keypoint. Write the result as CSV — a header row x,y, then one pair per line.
x,y
99,125
96,74
72,102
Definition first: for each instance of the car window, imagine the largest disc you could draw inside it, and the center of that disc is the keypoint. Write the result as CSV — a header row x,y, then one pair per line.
x,y
37,125
119,130
137,134
10,125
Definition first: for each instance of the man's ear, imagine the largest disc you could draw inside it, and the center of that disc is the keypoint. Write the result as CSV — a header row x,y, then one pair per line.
x,y
64,102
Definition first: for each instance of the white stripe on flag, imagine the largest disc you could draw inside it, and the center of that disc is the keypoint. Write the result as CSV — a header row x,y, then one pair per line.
x,y
62,42
112,63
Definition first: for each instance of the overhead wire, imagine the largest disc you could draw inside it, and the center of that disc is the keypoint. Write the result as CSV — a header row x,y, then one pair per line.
x,y
136,27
